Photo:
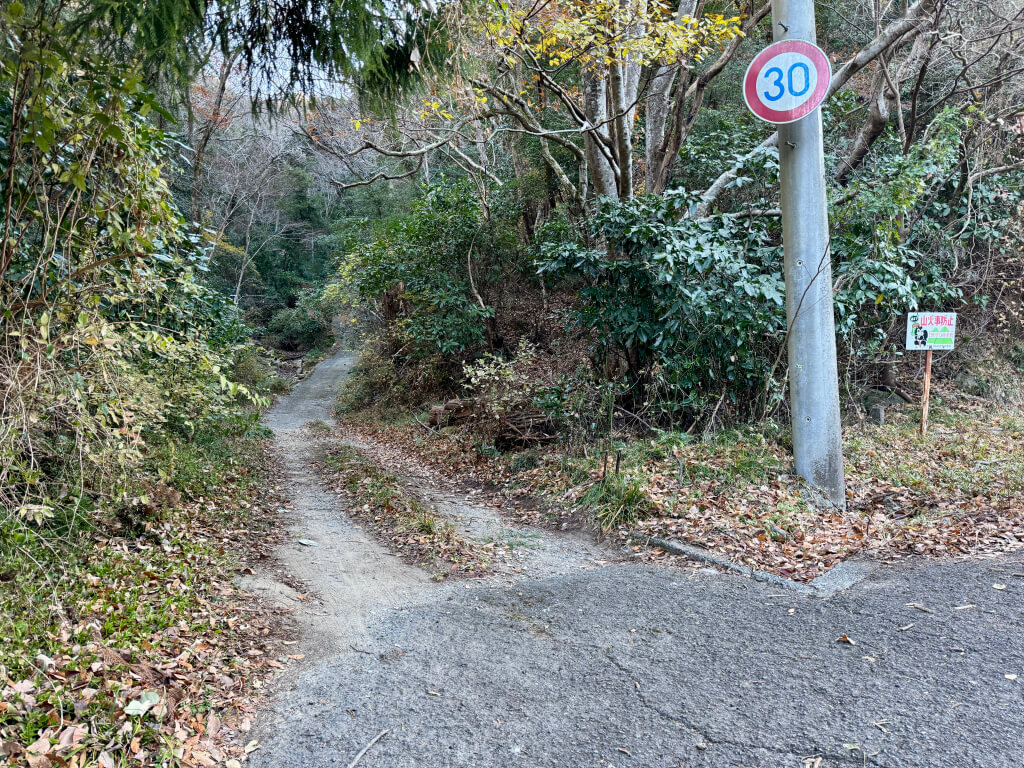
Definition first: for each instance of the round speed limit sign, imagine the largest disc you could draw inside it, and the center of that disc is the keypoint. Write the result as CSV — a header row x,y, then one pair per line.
x,y
787,81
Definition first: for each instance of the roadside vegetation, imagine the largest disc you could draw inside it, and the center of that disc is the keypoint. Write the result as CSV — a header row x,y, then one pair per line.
x,y
407,525
132,480
598,316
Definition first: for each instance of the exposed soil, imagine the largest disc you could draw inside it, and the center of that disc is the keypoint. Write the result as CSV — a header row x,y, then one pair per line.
x,y
346,575
345,572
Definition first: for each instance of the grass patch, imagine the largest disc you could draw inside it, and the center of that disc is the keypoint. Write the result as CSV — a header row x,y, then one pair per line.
x,y
968,453
618,484
411,528
318,427
619,500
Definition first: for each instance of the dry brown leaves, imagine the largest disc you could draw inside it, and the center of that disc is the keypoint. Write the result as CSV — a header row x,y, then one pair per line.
x,y
959,491
183,695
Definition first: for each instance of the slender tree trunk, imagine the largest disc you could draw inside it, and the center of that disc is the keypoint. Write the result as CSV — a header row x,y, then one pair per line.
x,y
246,258
212,123
622,131
595,104
659,100
657,120
885,97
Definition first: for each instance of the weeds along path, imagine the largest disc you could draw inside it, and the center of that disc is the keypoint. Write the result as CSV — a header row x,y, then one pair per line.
x,y
347,572
515,551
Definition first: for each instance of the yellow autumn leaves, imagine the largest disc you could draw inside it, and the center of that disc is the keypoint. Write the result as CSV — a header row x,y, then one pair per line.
x,y
604,32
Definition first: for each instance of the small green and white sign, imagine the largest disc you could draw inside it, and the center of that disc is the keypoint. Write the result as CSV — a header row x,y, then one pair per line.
x,y
931,330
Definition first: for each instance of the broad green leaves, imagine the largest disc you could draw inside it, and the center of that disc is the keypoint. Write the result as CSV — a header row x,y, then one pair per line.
x,y
695,308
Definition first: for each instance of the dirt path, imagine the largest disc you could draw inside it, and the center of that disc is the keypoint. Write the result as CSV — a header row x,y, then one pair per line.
x,y
519,551
557,662
347,573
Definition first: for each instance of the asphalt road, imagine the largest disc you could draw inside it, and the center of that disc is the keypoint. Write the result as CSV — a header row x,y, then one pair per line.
x,y
639,666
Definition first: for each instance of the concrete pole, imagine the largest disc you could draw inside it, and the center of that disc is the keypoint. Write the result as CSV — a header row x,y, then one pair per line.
x,y
813,373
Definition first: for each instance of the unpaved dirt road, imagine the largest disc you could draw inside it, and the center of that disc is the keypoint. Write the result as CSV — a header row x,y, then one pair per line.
x,y
567,659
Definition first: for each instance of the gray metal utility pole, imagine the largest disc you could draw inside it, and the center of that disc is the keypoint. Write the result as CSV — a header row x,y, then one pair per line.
x,y
813,373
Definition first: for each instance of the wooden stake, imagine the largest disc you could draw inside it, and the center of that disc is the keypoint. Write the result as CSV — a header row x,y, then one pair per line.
x,y
927,391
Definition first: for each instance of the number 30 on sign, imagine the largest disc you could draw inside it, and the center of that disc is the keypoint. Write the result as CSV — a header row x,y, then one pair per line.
x,y
787,81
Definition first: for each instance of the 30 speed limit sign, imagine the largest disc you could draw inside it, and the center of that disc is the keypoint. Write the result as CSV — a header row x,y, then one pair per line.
x,y
787,81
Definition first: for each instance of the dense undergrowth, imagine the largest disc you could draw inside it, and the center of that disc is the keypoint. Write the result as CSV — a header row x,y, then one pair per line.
x,y
120,642
129,444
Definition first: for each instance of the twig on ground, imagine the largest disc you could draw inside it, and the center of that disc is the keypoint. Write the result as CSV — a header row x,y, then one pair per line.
x,y
366,749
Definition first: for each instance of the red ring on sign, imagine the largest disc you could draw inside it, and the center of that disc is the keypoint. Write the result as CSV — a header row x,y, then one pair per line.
x,y
780,117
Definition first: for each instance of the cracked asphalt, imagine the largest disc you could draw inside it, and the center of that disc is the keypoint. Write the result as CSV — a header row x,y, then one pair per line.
x,y
644,666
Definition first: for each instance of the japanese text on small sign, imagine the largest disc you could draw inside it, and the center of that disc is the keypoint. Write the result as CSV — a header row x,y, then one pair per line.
x,y
931,330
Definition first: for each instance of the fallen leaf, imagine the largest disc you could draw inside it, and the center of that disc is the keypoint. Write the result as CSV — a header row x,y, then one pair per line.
x,y
10,749
845,639
998,586
143,704
71,736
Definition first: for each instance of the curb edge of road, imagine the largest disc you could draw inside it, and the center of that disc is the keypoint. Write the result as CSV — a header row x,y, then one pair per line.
x,y
843,576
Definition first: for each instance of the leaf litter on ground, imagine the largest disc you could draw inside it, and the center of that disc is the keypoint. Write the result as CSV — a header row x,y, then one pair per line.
x,y
155,657
957,492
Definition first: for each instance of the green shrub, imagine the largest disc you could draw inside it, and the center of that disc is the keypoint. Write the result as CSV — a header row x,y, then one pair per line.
x,y
619,500
303,327
414,272
691,309
250,370
109,343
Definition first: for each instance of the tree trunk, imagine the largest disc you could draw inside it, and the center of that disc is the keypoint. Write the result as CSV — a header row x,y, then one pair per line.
x,y
885,97
659,100
595,104
212,123
657,121
622,131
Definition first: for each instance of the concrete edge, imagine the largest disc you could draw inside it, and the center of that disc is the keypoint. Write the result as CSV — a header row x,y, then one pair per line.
x,y
843,576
